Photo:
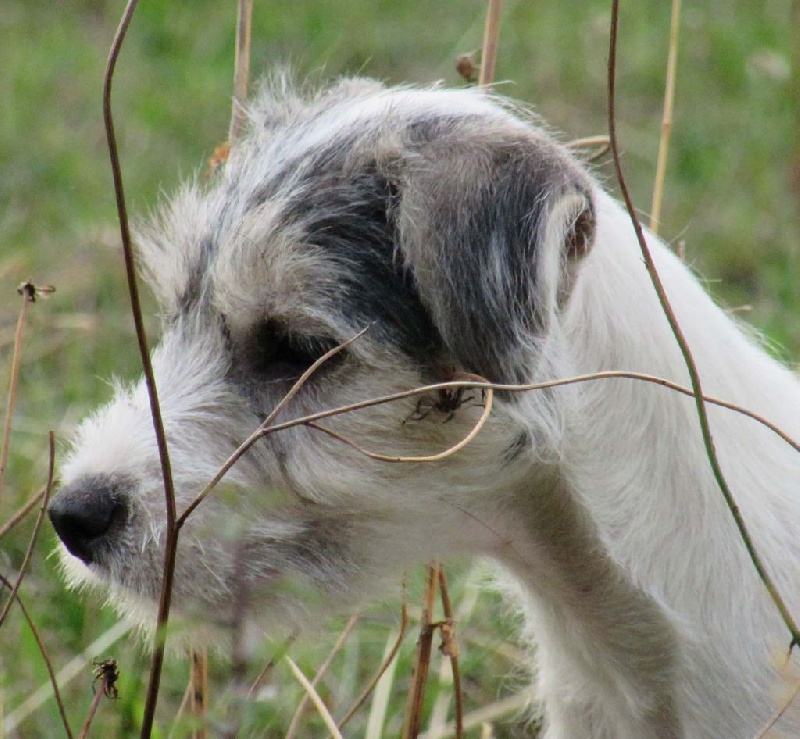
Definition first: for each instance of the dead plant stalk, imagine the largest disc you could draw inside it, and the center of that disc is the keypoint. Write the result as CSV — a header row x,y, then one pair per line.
x,y
28,293
691,366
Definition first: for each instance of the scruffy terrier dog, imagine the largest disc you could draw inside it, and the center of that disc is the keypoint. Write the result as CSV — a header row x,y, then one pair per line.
x,y
466,240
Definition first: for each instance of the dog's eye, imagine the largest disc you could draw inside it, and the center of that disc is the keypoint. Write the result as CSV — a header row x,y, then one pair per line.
x,y
274,353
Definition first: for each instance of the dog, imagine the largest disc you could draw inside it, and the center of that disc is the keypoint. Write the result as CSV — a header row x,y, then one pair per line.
x,y
465,239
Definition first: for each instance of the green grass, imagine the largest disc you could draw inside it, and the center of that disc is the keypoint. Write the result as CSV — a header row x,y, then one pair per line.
x,y
729,196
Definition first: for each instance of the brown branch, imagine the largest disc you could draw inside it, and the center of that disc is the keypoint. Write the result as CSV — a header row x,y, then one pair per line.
x,y
450,649
37,527
256,435
198,690
702,414
241,73
38,639
28,292
170,547
422,657
456,384
491,33
321,670
666,122
90,716
385,666
21,513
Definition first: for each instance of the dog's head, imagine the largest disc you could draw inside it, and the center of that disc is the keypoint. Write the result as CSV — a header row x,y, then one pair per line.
x,y
440,221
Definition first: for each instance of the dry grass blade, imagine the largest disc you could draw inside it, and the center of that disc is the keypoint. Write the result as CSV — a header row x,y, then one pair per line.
x,y
666,122
37,527
241,74
51,673
422,657
486,714
385,666
316,700
487,409
684,347
491,34
28,292
21,513
321,670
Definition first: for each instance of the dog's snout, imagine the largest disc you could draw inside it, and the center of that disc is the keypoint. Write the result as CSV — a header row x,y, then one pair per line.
x,y
86,513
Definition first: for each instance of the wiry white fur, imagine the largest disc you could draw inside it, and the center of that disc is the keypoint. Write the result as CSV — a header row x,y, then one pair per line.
x,y
648,616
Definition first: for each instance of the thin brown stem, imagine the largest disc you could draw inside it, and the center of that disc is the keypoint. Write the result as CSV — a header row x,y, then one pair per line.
x,y
40,644
21,513
691,366
256,435
666,121
450,649
170,547
90,716
456,384
422,657
37,527
28,292
491,34
385,666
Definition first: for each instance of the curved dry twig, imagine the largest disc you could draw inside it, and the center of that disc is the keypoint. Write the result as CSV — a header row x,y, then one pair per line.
x,y
473,432
37,527
691,366
367,691
38,639
464,384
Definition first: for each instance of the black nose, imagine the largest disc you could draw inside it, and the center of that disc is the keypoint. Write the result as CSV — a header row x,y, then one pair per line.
x,y
88,512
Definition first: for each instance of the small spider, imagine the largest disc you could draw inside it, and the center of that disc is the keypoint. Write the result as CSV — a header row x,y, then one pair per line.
x,y
447,401
106,671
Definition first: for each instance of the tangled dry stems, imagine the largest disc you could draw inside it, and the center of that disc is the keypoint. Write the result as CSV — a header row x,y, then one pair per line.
x,y
435,574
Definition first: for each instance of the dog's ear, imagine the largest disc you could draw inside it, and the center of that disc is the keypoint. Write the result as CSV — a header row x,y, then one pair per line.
x,y
492,222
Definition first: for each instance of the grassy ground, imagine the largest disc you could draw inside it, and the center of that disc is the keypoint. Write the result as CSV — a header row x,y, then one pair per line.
x,y
729,197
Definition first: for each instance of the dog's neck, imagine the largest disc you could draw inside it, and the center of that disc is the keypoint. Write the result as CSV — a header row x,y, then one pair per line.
x,y
631,538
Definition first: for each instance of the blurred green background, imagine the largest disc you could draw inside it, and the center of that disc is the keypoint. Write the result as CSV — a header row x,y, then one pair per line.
x,y
732,195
